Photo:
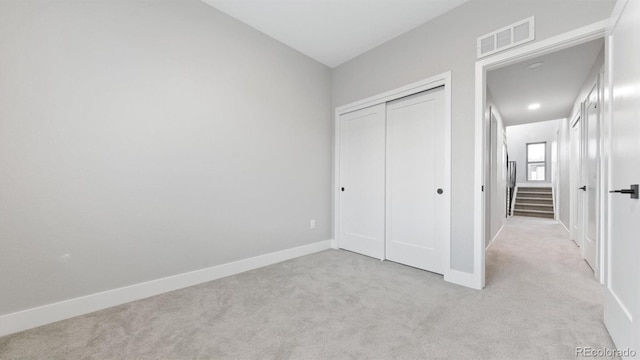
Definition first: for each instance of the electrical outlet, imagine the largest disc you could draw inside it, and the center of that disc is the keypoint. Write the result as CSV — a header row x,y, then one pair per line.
x,y
312,224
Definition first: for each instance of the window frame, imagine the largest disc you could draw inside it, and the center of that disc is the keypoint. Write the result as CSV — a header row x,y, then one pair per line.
x,y
536,162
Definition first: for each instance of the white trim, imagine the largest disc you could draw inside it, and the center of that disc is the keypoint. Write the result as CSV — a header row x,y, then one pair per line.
x,y
494,238
46,314
620,304
463,278
607,149
413,88
565,227
559,42
616,14
604,123
573,192
443,79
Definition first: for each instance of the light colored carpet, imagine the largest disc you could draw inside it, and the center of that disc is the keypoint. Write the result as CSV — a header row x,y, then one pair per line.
x,y
541,301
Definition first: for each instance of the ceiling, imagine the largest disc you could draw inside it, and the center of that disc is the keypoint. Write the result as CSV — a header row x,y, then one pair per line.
x,y
554,85
334,31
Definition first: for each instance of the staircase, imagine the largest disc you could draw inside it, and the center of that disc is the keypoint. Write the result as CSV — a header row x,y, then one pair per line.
x,y
534,201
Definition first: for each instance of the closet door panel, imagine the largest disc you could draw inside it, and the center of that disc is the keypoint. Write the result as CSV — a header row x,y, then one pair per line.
x,y
414,173
362,175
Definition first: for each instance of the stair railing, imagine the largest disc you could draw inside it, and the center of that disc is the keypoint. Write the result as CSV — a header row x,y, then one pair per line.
x,y
511,185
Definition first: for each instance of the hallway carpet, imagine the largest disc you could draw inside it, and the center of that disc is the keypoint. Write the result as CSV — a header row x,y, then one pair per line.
x,y
541,302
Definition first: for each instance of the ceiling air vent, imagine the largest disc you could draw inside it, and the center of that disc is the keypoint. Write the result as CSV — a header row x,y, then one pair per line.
x,y
507,37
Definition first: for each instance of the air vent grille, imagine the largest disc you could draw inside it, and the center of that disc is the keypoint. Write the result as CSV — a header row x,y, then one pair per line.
x,y
523,31
507,37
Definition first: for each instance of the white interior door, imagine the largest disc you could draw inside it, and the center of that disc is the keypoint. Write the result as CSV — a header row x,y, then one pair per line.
x,y
622,294
576,183
415,181
591,173
362,175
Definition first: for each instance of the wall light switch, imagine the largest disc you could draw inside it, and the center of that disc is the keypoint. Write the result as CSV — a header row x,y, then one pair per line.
x,y
312,224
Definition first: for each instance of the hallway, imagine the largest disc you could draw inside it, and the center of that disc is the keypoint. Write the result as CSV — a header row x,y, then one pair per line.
x,y
534,268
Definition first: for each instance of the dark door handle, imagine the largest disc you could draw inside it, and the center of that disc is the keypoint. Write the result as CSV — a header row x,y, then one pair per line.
x,y
439,191
583,188
633,191
341,189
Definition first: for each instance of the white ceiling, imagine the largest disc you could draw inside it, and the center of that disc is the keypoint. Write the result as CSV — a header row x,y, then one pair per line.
x,y
554,85
334,31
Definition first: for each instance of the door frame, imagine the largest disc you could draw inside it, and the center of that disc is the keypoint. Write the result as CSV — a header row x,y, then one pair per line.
x,y
575,37
443,79
575,181
584,174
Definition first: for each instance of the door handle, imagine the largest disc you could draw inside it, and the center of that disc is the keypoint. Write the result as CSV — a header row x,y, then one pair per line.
x,y
633,191
583,188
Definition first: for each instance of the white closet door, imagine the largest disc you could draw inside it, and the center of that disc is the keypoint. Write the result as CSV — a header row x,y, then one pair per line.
x,y
415,171
591,169
362,172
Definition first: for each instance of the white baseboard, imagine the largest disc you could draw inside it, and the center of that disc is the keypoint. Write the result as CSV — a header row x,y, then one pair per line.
x,y
46,314
464,278
565,227
494,238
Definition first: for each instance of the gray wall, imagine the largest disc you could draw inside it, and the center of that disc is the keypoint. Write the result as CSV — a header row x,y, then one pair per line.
x,y
518,136
449,43
142,139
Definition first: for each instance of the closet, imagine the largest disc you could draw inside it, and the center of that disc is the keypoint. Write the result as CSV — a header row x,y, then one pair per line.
x,y
392,180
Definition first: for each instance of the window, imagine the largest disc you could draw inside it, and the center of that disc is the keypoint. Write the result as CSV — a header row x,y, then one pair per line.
x,y
536,161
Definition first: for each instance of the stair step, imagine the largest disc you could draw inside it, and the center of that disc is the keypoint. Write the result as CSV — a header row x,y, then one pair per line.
x,y
534,200
534,204
534,189
544,207
546,216
534,213
534,194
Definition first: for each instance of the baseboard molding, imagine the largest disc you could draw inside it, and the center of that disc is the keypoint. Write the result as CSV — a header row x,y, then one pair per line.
x,y
463,278
494,238
46,314
565,227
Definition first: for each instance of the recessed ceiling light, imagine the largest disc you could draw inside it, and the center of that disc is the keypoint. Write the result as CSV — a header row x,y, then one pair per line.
x,y
535,65
534,106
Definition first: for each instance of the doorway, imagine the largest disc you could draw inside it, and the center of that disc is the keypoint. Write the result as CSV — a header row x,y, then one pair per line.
x,y
522,55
